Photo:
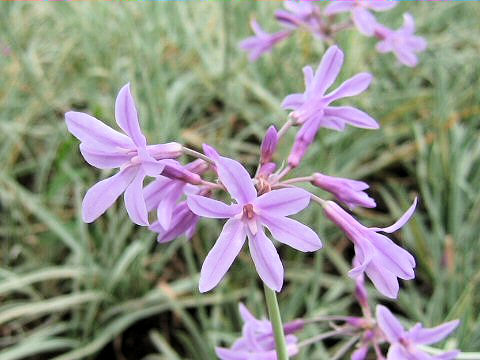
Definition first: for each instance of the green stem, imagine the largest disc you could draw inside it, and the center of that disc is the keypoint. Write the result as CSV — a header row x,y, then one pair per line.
x,y
276,320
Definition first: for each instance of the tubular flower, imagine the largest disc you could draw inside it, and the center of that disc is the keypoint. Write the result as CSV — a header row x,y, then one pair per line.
x,y
403,344
361,16
312,109
376,255
105,148
350,192
402,42
257,341
247,218
262,42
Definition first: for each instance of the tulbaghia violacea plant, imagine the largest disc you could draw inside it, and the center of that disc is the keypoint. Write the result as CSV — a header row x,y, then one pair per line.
x,y
257,206
324,25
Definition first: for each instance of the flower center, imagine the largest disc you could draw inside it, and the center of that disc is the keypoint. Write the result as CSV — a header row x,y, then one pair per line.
x,y
248,211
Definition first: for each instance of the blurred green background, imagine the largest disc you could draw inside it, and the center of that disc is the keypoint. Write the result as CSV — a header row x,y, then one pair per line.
x,y
107,291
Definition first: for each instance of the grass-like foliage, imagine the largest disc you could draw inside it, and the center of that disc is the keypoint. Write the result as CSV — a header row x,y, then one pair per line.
x,y
106,290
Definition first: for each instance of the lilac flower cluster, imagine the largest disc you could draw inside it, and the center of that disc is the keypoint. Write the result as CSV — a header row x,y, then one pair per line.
x,y
258,208
305,15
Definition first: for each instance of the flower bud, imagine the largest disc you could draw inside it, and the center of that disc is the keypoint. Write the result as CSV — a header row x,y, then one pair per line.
x,y
267,169
269,145
169,150
174,171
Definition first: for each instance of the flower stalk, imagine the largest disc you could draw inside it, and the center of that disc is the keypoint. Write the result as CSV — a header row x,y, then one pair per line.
x,y
277,325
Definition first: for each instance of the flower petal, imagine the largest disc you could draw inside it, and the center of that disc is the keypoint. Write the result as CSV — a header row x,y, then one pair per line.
x,y
384,280
154,192
425,336
292,233
95,133
364,21
397,352
222,255
236,179
266,260
449,355
400,222
167,205
351,87
352,116
292,101
104,193
134,201
126,116
392,257
103,159
308,75
336,7
206,207
246,314
183,221
283,202
360,353
389,324
384,46
327,71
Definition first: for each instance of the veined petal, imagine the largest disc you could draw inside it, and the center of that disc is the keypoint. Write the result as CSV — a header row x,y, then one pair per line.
x,y
126,116
283,202
388,323
327,71
384,280
267,262
352,116
134,201
154,192
364,21
206,207
103,194
95,133
167,204
425,336
336,7
101,159
236,179
400,222
351,87
292,233
293,101
222,255
392,257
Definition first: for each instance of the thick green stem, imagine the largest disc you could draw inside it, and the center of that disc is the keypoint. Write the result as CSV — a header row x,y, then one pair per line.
x,y
276,320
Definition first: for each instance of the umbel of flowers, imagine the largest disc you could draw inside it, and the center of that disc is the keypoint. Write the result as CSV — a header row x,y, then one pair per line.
x,y
258,207
324,24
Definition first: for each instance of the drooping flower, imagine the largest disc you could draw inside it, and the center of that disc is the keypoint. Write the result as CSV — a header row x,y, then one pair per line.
x,y
350,192
262,42
378,257
183,221
404,344
257,341
359,9
312,108
164,192
105,148
301,14
402,42
247,218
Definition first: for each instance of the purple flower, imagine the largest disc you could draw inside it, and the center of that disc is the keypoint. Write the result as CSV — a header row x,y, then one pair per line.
x,y
312,107
164,193
257,341
105,148
362,18
247,218
403,344
262,42
351,192
402,42
301,14
378,256
183,221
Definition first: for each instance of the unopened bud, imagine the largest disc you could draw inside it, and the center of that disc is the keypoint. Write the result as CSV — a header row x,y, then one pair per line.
x,y
269,145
